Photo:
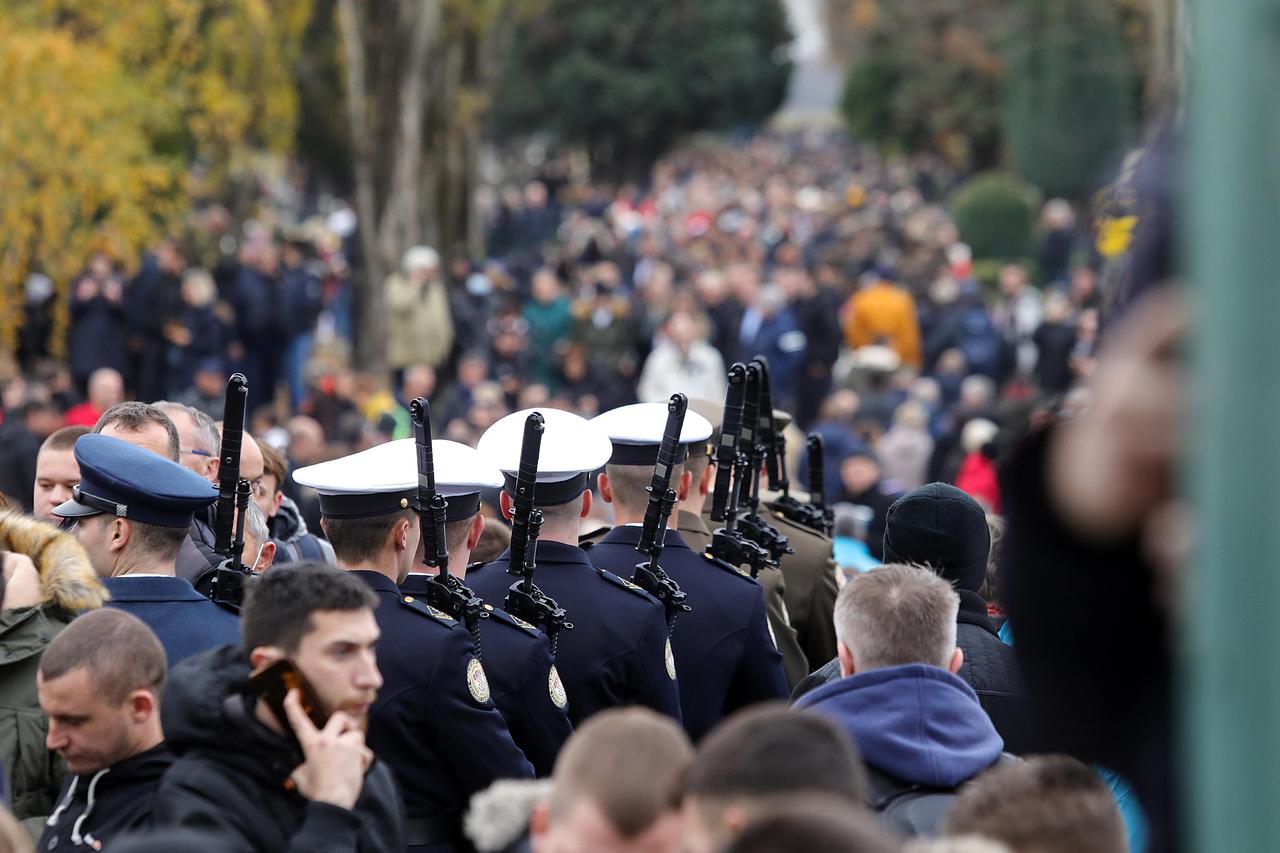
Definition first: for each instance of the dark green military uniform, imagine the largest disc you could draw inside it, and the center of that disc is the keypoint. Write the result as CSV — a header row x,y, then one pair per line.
x,y
794,662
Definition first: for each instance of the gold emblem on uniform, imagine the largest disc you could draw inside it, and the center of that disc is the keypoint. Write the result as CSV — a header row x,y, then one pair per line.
x,y
558,696
628,584
523,624
671,662
408,599
440,614
477,682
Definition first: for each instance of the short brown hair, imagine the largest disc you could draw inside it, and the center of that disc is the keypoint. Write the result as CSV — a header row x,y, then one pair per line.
x,y
895,615
630,483
273,464
815,825
762,751
355,540
162,543
1046,804
279,603
64,439
495,539
629,762
119,651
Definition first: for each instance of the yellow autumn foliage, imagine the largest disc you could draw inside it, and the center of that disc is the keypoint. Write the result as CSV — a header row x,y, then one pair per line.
x,y
107,107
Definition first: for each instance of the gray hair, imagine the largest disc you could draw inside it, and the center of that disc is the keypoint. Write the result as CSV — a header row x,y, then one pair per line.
x,y
895,615
204,423
255,523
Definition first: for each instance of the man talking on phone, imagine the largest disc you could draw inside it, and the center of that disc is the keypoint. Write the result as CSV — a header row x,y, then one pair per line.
x,y
270,734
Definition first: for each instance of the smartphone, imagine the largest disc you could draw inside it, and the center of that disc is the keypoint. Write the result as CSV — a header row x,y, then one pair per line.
x,y
275,682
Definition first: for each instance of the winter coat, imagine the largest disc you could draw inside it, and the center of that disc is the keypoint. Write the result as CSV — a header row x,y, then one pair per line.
x,y
782,342
231,776
94,809
915,724
96,336
904,454
548,331
990,669
884,314
419,325
699,375
70,586
294,542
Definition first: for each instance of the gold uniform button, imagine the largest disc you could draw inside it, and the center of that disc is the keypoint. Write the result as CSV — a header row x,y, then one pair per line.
x,y
408,599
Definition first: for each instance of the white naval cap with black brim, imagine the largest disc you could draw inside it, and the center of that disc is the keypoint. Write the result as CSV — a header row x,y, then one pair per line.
x,y
572,448
384,480
636,432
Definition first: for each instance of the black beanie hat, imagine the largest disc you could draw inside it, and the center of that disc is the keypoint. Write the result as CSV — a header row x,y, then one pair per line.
x,y
940,526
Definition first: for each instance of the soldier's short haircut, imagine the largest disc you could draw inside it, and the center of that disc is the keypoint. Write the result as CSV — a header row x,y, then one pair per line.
x,y
895,615
762,751
1046,804
64,439
455,534
132,416
356,540
629,484
629,762
820,824
119,652
273,464
205,424
279,603
152,540
495,539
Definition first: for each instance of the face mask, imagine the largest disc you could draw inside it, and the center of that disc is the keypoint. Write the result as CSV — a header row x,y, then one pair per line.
x,y
479,284
253,569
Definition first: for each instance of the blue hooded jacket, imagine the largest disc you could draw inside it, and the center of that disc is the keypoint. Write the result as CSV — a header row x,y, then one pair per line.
x,y
917,723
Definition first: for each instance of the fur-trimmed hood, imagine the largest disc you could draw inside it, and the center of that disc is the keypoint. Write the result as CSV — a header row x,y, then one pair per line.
x,y
498,819
66,575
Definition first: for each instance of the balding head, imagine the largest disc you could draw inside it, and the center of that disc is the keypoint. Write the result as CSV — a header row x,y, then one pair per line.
x,y
106,388
198,438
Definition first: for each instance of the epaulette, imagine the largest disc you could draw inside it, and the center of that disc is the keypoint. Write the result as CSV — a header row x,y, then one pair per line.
x,y
623,582
586,540
514,621
741,574
421,607
797,526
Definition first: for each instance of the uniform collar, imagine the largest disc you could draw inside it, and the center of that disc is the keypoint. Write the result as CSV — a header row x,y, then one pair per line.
x,y
691,523
151,588
630,535
555,552
376,581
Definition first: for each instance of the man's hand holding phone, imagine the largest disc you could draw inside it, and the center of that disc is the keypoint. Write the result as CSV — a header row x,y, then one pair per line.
x,y
335,756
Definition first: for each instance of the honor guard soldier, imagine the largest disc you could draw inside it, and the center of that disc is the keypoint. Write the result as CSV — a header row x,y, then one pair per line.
x,y
131,512
523,679
693,523
724,653
618,652
434,721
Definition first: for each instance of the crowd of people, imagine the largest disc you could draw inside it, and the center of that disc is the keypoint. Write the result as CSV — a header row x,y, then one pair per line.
x,y
143,713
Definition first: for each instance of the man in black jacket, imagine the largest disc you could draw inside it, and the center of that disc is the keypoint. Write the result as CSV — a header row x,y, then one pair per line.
x,y
99,682
261,783
941,527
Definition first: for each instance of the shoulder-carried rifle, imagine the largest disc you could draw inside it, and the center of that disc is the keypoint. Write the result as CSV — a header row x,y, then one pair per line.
x,y
649,575
775,460
224,584
728,542
524,600
817,477
444,592
751,455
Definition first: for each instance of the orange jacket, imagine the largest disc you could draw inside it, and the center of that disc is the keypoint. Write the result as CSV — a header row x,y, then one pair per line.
x,y
887,314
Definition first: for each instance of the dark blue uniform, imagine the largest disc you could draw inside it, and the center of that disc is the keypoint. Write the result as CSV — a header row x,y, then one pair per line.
x,y
617,653
186,622
523,680
725,656
434,721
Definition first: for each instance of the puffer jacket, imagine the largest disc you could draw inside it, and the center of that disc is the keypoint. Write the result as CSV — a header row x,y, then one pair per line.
x,y
70,586
294,542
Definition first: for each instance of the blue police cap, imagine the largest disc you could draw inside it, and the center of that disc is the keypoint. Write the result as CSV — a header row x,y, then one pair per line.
x,y
118,478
